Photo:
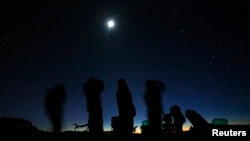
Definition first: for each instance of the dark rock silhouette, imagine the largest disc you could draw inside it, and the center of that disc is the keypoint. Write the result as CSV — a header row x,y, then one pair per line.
x,y
124,124
153,101
16,125
92,90
54,100
178,117
168,126
199,123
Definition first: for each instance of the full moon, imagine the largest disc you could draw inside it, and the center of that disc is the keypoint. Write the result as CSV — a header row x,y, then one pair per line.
x,y
111,24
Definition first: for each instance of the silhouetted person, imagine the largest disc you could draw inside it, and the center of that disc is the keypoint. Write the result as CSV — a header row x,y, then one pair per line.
x,y
92,90
168,126
178,117
126,108
198,122
54,100
154,105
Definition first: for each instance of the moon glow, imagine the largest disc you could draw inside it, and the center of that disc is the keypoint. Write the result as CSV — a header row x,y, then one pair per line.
x,y
111,24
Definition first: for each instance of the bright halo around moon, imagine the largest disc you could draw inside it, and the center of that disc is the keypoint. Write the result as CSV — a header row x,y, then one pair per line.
x,y
110,24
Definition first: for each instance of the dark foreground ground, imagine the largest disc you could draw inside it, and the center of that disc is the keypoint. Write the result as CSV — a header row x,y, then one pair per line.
x,y
73,137
83,137
234,131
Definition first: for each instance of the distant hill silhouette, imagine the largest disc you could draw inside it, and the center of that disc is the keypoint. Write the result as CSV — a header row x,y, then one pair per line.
x,y
16,125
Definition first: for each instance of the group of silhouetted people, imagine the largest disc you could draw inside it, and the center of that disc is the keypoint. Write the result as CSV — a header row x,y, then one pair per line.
x,y
123,124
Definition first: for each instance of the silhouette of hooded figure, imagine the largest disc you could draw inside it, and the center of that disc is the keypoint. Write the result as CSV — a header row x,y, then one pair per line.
x,y
154,105
92,90
126,108
178,117
54,100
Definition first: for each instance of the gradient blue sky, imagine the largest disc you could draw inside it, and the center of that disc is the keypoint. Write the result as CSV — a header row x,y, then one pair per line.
x,y
199,49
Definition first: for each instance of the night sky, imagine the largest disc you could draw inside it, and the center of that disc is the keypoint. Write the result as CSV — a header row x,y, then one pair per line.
x,y
199,49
